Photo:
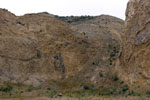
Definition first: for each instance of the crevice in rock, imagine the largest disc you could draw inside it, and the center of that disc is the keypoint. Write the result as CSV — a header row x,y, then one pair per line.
x,y
59,64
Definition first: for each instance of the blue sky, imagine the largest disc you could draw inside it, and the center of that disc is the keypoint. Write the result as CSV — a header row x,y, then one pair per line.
x,y
67,7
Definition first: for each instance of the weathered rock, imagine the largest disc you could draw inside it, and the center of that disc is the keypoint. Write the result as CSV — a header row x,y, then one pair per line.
x,y
135,57
103,27
106,31
38,47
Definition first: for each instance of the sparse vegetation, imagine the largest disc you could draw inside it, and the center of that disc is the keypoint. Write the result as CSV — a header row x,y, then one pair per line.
x,y
65,57
85,87
113,50
83,33
100,74
131,93
38,54
115,78
71,19
7,88
125,88
52,93
105,92
121,82
148,93
30,88
48,88
87,90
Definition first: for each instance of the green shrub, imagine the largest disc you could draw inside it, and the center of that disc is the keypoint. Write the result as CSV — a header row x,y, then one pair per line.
x,y
83,33
107,92
85,87
114,90
8,88
30,88
101,93
131,93
69,21
48,88
93,91
148,92
125,88
121,82
110,61
21,91
5,89
53,93
114,50
112,54
39,87
100,74
115,78
38,54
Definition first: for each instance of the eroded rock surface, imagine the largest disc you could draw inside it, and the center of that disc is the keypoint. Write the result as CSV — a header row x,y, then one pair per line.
x,y
135,57
38,47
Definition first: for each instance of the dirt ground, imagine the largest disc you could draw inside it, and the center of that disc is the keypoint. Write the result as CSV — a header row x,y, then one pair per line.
x,y
85,98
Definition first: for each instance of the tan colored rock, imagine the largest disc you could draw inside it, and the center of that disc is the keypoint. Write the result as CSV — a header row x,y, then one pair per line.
x,y
131,9
39,48
135,57
106,31
35,48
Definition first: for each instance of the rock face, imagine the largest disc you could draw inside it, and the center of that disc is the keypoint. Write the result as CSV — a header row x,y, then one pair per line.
x,y
38,47
103,27
135,57
106,31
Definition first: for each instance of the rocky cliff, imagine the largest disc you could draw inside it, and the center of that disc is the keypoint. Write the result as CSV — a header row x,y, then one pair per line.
x,y
135,58
38,47
103,27
106,31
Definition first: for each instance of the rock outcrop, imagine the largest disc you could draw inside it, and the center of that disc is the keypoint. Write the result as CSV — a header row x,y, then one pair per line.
x,y
39,49
135,58
103,27
35,48
106,31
